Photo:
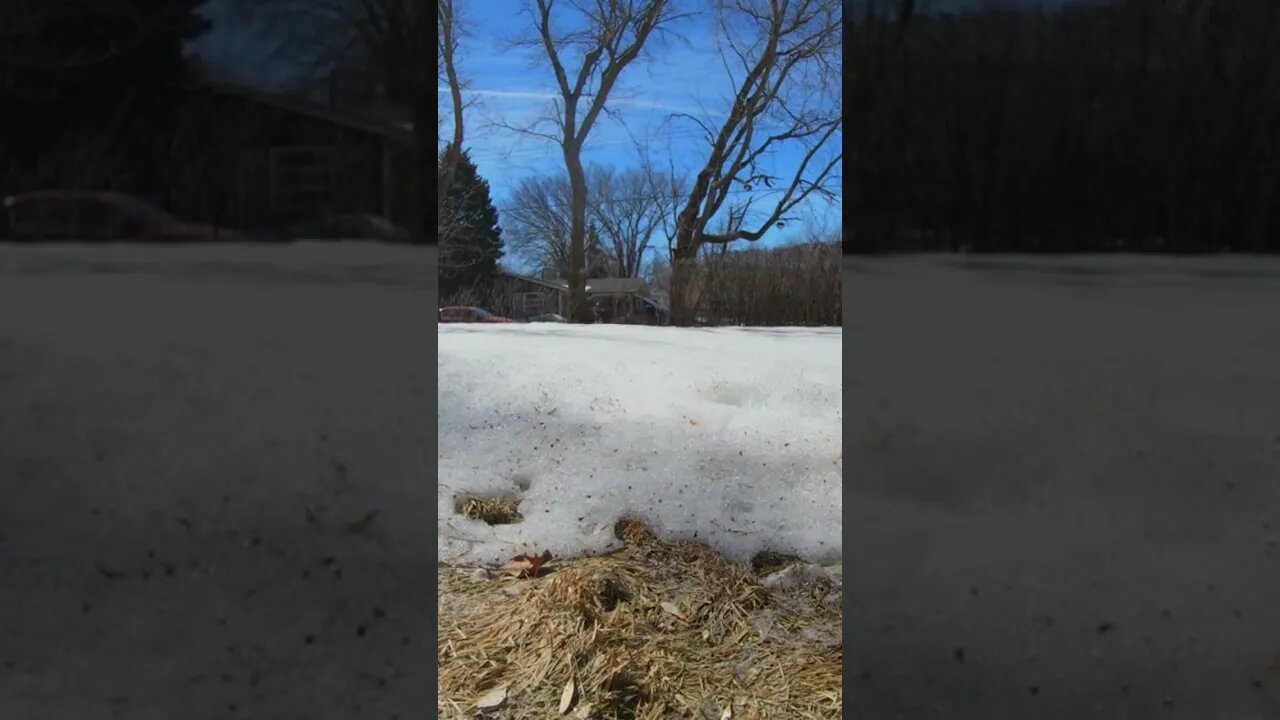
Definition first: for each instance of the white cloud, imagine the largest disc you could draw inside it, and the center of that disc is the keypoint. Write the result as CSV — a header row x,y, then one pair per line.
x,y
546,95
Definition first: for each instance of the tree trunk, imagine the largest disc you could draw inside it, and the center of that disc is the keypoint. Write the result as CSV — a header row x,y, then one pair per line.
x,y
579,310
684,268
419,214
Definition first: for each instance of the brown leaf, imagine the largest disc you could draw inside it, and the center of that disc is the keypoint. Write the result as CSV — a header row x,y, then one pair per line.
x,y
529,566
517,567
566,697
493,698
673,609
358,526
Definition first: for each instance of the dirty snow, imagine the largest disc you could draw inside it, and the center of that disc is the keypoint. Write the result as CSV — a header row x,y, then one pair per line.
x,y
1064,487
730,436
187,435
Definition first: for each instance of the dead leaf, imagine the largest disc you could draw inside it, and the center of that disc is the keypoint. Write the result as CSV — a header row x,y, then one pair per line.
x,y
671,608
526,565
728,713
566,697
517,567
110,574
357,527
493,698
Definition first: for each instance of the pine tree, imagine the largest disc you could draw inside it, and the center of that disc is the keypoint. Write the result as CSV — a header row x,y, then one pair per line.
x,y
598,264
470,237
106,78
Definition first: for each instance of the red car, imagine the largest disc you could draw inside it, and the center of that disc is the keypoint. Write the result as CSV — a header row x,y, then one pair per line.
x,y
92,216
467,314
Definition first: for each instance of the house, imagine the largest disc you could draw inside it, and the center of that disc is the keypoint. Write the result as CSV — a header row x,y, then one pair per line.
x,y
241,157
522,296
615,300
249,158
623,300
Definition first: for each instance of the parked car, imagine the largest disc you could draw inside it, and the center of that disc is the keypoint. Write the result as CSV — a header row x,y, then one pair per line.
x,y
549,317
468,314
350,227
93,216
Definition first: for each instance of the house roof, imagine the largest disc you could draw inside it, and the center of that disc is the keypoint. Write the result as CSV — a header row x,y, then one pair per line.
x,y
387,122
595,286
610,286
553,284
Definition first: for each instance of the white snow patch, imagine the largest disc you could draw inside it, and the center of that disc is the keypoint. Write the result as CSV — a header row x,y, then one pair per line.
x,y
728,436
187,434
1075,439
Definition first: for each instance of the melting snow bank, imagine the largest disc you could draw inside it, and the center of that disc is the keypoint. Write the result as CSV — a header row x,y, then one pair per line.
x,y
729,436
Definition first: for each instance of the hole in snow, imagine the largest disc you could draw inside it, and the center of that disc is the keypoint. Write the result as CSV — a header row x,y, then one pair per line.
x,y
767,562
522,481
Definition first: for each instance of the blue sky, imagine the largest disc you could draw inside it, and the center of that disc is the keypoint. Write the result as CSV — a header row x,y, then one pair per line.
x,y
679,73
512,86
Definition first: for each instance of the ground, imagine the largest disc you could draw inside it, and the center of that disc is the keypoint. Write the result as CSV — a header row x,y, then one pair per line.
x,y
1063,488
1060,474
215,470
728,438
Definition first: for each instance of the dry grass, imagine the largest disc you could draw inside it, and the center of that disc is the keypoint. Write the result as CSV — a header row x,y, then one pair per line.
x,y
655,630
492,510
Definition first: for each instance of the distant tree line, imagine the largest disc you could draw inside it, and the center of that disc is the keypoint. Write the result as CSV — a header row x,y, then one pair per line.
x,y
798,284
1102,126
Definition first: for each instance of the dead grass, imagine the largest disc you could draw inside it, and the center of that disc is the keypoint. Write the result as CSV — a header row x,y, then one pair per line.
x,y
655,630
492,510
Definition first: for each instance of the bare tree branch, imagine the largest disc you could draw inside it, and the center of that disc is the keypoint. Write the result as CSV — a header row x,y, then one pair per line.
x,y
786,48
628,209
610,36
446,56
26,24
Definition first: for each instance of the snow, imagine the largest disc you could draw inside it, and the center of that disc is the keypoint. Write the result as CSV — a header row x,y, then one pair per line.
x,y
730,436
184,433
1039,447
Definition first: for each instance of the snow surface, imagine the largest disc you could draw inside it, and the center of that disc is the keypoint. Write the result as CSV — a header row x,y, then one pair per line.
x,y
729,436
184,433
1069,469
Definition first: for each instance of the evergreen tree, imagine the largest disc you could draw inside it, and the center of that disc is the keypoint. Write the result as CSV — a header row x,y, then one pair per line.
x,y
470,238
104,80
598,263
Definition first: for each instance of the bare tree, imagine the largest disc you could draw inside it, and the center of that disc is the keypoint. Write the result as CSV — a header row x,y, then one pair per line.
x,y
608,37
25,27
447,33
56,58
796,284
537,221
627,209
783,56
657,275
